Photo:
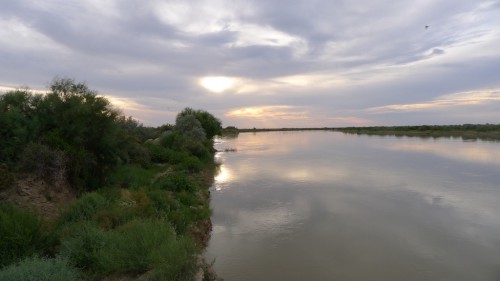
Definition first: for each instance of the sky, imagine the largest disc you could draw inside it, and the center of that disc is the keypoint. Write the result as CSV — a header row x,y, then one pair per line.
x,y
265,63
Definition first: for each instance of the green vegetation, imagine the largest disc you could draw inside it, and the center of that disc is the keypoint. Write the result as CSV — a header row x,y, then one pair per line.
x,y
466,131
143,207
282,129
41,269
230,131
21,234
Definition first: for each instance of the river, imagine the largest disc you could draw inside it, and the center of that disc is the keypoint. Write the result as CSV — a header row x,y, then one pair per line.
x,y
323,205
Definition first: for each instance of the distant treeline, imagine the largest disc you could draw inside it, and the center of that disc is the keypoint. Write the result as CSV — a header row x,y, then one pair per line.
x,y
284,129
466,131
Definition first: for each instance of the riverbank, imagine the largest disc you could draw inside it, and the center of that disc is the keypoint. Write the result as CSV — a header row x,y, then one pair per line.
x,y
63,225
466,131
89,194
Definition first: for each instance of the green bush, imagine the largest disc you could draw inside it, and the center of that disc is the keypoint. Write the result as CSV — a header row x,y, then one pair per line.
x,y
131,248
111,194
44,162
85,208
162,203
159,154
82,245
190,164
185,216
20,234
137,247
175,182
175,261
133,177
196,148
210,124
113,216
40,269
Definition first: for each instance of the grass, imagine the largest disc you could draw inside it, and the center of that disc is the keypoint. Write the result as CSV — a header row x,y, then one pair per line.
x,y
135,248
21,235
133,177
41,269
85,208
176,182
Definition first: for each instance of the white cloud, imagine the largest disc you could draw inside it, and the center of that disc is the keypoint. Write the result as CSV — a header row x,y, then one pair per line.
x,y
17,36
328,57
472,98
197,17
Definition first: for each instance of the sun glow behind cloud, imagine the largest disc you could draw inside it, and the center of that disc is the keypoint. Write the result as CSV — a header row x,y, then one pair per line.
x,y
217,84
283,112
243,54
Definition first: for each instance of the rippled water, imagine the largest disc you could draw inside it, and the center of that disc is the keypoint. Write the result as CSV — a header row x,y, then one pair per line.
x,y
322,205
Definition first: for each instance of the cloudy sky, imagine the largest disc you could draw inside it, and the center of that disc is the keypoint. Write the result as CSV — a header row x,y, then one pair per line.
x,y
265,63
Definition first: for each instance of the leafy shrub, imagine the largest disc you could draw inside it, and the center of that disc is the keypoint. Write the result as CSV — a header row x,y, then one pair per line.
x,y
189,126
85,208
40,269
196,148
18,124
210,124
133,177
111,194
131,247
170,139
81,247
138,203
159,154
138,154
137,247
162,203
44,162
20,234
175,261
112,216
176,182
190,164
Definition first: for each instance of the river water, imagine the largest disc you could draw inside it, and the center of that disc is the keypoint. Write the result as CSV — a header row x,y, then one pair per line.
x,y
322,205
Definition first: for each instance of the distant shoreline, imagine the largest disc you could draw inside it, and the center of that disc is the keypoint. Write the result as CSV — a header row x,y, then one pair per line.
x,y
284,129
465,131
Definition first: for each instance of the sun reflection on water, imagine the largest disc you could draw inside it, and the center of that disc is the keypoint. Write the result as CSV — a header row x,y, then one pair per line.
x,y
222,178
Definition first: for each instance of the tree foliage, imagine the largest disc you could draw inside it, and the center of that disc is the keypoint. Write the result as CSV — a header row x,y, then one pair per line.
x,y
71,120
73,134
189,126
210,124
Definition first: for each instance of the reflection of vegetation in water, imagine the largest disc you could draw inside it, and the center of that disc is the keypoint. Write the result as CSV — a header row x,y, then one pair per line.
x,y
466,131
144,201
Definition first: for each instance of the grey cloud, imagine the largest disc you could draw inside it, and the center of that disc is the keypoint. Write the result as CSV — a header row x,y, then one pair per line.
x,y
128,51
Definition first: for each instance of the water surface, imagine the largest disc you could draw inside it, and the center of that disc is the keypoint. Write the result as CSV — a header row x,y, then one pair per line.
x,y
321,205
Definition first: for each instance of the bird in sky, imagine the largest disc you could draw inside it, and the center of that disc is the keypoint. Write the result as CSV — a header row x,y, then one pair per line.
x,y
426,27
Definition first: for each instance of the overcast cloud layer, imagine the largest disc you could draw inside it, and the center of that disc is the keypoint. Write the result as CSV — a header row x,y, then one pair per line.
x,y
263,63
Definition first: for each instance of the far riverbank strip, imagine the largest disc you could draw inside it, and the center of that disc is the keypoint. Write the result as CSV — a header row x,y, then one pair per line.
x,y
465,131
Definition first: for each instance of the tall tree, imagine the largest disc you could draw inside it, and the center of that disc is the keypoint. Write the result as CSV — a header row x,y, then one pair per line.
x,y
210,124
